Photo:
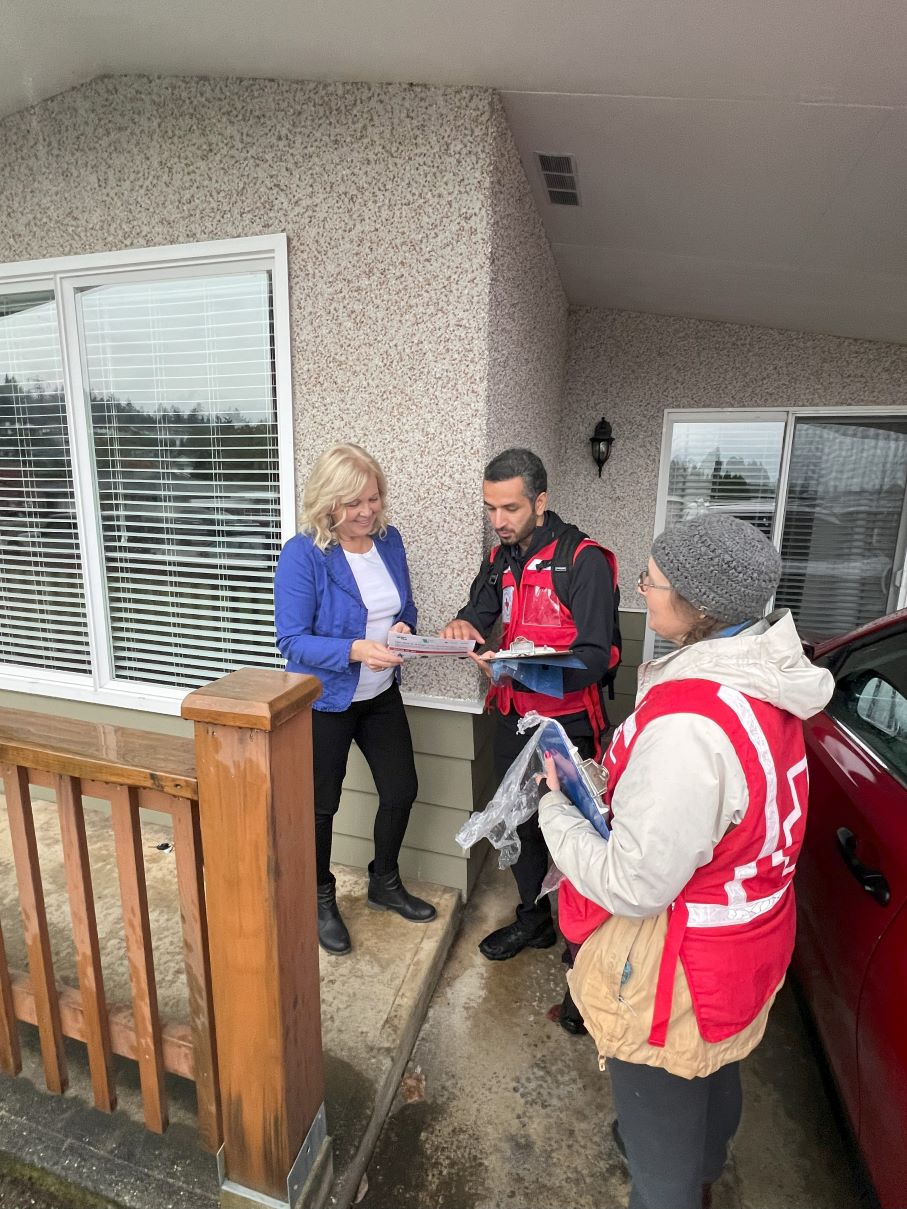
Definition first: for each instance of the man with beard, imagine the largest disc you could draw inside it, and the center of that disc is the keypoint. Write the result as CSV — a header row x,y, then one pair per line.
x,y
572,608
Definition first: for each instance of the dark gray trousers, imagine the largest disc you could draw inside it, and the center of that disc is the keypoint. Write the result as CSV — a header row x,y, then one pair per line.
x,y
675,1131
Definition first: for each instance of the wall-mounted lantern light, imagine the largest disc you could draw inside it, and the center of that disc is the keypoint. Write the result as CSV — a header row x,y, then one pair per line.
x,y
601,442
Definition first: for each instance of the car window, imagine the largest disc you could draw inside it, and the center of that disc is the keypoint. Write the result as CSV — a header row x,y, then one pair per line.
x,y
871,698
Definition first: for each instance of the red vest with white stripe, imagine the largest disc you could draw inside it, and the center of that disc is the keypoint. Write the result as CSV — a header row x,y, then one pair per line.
x,y
532,609
733,924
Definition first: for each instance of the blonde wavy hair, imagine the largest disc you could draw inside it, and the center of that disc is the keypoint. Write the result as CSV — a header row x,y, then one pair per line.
x,y
337,477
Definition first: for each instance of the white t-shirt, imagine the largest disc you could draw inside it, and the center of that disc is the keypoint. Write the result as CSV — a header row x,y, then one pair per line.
x,y
381,598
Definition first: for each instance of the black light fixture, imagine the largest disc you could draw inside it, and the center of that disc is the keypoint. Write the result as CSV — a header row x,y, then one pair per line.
x,y
601,442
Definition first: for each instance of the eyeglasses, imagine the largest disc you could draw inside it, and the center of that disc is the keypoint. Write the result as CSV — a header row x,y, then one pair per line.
x,y
644,584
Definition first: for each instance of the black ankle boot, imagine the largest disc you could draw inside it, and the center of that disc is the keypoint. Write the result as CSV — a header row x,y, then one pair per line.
x,y
332,934
387,893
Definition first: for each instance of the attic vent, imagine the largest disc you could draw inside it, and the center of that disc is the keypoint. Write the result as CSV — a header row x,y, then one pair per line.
x,y
559,176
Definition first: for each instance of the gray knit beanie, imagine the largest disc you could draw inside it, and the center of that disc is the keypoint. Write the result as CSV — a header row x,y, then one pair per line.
x,y
720,564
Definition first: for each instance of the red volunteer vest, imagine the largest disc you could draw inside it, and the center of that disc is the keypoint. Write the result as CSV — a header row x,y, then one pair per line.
x,y
532,609
733,924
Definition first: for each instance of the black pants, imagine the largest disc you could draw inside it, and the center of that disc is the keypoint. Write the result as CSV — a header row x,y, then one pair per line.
x,y
381,732
532,864
676,1131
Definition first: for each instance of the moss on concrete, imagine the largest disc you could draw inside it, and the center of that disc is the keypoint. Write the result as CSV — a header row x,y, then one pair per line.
x,y
24,1187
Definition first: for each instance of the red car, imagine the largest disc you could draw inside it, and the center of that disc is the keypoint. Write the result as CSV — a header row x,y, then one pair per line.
x,y
851,958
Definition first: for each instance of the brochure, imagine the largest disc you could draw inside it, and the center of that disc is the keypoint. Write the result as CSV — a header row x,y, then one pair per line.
x,y
408,646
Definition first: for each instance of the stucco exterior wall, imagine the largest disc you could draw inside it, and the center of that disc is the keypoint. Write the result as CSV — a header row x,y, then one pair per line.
x,y
632,367
428,321
527,317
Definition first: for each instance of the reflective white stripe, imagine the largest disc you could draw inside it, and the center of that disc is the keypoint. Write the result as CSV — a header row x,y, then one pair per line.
x,y
736,895
717,915
628,729
792,774
797,810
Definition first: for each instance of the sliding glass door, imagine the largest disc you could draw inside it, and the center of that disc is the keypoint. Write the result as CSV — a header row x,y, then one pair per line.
x,y
844,523
829,490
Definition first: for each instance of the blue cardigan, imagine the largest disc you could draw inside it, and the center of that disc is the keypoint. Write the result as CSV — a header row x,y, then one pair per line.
x,y
319,612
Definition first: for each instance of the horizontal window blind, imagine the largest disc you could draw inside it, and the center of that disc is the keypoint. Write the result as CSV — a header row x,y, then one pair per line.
x,y
730,467
723,466
181,385
43,620
845,503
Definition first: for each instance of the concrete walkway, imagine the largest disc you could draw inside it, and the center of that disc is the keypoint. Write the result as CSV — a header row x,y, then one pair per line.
x,y
495,1106
503,1108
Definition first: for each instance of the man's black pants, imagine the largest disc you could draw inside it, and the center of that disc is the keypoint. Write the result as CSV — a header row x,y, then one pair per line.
x,y
381,731
532,863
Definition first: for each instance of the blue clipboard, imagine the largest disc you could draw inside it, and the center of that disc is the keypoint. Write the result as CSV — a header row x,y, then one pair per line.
x,y
574,783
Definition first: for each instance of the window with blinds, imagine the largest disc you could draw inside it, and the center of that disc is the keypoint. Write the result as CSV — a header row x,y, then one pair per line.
x,y
180,378
830,491
731,466
842,541
43,620
727,466
144,421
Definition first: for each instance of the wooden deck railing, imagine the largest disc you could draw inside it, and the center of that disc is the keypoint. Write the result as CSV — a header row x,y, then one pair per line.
x,y
239,798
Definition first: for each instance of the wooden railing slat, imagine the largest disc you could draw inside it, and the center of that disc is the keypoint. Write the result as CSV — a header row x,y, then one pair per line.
x,y
134,896
85,936
34,918
177,1037
190,879
10,1053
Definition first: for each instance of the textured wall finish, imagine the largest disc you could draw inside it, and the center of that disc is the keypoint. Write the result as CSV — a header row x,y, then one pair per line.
x,y
396,201
527,318
632,367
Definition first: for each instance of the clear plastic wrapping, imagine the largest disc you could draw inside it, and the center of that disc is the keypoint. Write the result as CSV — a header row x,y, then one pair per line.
x,y
517,796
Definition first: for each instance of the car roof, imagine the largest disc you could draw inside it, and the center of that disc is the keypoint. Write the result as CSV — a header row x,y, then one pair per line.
x,y
892,621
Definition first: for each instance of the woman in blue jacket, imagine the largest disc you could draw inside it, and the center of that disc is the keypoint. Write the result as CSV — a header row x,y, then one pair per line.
x,y
342,585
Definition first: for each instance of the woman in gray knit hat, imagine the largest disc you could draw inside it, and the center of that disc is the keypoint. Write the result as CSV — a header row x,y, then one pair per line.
x,y
682,922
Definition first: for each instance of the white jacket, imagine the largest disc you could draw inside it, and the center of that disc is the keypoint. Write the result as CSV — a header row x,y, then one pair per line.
x,y
683,785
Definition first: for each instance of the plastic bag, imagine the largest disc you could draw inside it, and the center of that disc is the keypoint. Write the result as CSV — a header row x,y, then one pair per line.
x,y
517,796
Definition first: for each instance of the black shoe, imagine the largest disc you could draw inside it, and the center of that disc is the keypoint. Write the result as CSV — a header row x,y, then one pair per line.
x,y
506,942
387,893
570,1019
332,934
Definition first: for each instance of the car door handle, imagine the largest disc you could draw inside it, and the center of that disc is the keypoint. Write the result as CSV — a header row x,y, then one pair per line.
x,y
872,880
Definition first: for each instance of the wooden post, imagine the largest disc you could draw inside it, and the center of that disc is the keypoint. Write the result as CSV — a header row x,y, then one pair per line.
x,y
253,743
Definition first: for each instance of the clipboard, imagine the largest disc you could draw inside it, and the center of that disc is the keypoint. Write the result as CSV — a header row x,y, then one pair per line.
x,y
582,781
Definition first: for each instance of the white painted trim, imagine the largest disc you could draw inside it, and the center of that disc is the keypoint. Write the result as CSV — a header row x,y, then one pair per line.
x,y
286,455
747,415
199,254
454,705
83,473
155,699
149,698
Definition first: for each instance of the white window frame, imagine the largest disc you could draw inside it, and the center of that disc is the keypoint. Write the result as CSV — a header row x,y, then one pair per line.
x,y
64,275
749,416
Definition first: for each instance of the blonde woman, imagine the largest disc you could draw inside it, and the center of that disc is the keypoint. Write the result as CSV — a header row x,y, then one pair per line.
x,y
341,586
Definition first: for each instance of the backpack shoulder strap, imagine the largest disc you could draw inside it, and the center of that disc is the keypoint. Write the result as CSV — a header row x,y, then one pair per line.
x,y
562,559
565,550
